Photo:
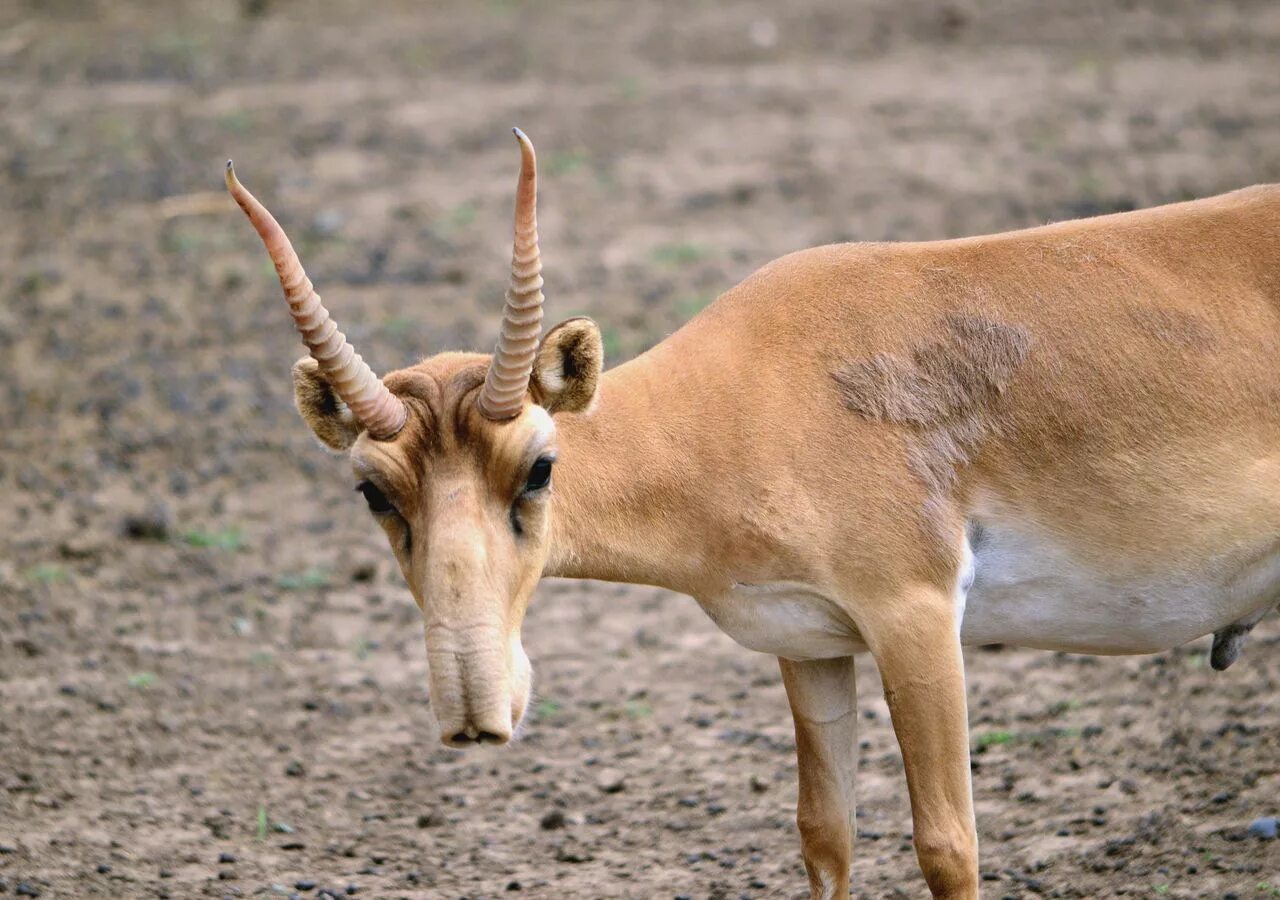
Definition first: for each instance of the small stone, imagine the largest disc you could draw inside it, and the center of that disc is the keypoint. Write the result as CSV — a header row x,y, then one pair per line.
x,y
104,868
611,781
715,808
1264,828
227,858
758,784
552,820
152,525
1222,797
430,819
573,854
305,884
26,889
295,769
514,886
689,802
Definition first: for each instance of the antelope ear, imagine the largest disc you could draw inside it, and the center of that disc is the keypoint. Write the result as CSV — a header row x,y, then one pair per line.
x,y
328,417
566,370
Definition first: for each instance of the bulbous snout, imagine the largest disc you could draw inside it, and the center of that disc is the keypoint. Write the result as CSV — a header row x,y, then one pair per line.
x,y
479,684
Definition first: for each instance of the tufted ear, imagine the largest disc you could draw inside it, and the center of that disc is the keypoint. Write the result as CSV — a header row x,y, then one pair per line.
x,y
328,417
567,368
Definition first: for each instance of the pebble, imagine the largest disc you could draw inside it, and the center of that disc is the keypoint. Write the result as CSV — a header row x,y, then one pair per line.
x,y
305,884
25,889
104,868
295,769
227,858
1264,828
432,819
553,820
152,525
611,781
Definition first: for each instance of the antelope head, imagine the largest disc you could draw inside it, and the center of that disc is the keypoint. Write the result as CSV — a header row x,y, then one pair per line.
x,y
455,457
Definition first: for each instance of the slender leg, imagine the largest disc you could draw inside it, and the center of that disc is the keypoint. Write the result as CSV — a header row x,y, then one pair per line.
x,y
916,646
824,699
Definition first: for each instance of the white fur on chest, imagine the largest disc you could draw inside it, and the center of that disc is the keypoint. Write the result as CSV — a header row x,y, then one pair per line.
x,y
1030,590
787,619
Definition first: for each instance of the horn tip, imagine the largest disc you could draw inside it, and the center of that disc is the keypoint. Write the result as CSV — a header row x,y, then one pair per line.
x,y
230,176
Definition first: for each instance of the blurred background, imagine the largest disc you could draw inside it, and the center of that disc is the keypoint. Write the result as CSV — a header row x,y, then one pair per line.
x,y
212,679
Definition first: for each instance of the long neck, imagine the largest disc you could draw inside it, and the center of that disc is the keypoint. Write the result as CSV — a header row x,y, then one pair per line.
x,y
625,505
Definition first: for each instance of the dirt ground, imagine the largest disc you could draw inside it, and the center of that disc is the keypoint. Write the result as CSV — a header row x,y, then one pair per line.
x,y
212,679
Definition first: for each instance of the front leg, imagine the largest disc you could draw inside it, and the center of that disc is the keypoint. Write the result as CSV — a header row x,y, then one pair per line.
x,y
824,697
914,638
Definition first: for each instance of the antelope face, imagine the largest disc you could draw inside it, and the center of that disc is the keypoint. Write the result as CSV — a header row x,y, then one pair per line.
x,y
466,504
455,458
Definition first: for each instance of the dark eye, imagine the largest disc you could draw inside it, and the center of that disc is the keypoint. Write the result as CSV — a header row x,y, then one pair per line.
x,y
378,502
539,475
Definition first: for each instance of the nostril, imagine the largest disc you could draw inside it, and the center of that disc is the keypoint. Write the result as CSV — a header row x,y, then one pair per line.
x,y
471,737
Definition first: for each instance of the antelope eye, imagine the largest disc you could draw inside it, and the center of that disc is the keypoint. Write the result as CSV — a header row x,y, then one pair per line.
x,y
539,475
378,502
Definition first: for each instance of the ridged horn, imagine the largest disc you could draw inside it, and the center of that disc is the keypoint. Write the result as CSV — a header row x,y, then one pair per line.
x,y
381,412
508,379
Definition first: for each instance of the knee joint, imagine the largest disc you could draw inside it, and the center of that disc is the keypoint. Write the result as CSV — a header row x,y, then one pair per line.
x,y
949,863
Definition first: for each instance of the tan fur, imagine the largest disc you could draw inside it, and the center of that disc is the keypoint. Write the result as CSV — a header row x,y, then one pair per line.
x,y
831,423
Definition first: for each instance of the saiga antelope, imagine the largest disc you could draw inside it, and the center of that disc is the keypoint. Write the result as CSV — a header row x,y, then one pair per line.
x,y
1066,437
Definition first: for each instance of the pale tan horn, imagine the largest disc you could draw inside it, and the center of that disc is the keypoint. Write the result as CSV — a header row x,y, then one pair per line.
x,y
508,380
381,412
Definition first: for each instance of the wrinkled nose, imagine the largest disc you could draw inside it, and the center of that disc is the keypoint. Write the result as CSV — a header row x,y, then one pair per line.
x,y
471,734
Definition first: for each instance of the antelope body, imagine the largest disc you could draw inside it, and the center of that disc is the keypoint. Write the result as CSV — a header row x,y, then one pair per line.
x,y
1066,437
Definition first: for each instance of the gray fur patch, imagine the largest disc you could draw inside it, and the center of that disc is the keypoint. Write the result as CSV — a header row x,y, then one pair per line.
x,y
945,391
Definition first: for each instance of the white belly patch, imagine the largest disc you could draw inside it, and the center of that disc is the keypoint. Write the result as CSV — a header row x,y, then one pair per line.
x,y
1028,590
1019,586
